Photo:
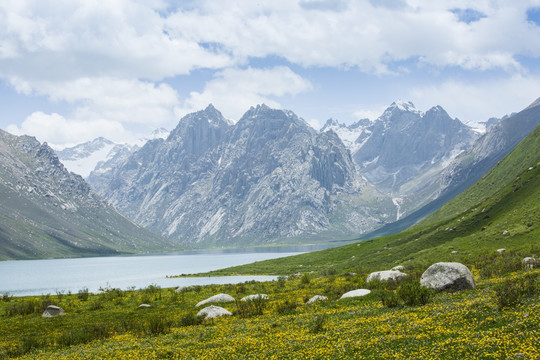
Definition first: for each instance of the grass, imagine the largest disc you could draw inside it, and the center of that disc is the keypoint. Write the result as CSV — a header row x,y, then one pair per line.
x,y
470,324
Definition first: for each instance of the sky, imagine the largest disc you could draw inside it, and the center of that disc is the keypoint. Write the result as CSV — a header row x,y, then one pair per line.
x,y
73,70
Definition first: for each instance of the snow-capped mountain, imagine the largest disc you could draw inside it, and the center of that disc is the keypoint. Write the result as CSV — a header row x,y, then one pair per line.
x,y
84,158
268,178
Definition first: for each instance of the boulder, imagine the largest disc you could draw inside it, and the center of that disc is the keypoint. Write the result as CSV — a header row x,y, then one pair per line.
x,y
213,311
216,298
355,293
144,306
529,262
316,298
398,268
385,275
53,310
501,250
451,276
254,297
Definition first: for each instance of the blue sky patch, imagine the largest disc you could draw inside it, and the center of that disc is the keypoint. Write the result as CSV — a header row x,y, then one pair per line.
x,y
533,16
468,15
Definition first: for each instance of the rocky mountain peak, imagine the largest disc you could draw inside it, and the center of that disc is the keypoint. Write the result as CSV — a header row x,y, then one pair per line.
x,y
534,104
332,124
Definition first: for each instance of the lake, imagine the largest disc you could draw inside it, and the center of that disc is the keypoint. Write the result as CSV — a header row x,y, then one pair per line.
x,y
39,277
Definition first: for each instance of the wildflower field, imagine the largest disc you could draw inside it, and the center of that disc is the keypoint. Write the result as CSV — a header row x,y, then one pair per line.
x,y
498,320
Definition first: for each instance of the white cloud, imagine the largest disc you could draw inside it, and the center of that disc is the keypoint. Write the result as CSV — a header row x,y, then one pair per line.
x,y
100,104
371,114
360,34
470,102
69,39
59,131
234,91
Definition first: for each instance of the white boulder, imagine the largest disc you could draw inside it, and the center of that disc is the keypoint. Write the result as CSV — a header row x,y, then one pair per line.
x,y
450,276
53,310
255,297
213,311
144,306
385,275
316,298
500,251
355,293
398,268
529,262
215,299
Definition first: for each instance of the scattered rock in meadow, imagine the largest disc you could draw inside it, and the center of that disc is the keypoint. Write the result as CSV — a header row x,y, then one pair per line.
x,y
501,250
506,232
255,297
450,276
144,306
454,252
529,262
53,310
213,311
398,268
316,298
216,298
385,275
355,293
180,289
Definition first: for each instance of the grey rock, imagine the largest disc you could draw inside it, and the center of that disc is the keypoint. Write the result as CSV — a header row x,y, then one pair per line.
x,y
450,276
213,311
355,293
255,297
386,275
144,306
398,268
53,310
216,298
317,298
500,251
529,262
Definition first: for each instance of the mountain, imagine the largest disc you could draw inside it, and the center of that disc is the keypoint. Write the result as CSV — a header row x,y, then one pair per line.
x,y
486,152
470,166
46,211
84,158
501,210
404,149
268,178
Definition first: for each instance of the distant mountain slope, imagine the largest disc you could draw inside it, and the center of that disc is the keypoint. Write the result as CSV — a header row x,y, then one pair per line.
x,y
268,178
502,210
45,211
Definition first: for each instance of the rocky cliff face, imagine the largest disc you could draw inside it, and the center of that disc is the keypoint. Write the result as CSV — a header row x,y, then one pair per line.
x,y
46,211
270,177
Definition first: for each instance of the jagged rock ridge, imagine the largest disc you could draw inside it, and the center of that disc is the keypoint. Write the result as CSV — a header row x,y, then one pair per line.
x,y
269,177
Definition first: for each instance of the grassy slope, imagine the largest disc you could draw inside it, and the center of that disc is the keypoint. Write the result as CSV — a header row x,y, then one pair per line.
x,y
505,199
464,325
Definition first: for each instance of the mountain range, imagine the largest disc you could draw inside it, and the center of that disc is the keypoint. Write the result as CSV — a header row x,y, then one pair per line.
x,y
268,178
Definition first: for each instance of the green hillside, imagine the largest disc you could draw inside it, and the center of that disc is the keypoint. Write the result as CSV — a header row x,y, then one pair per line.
x,y
502,210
